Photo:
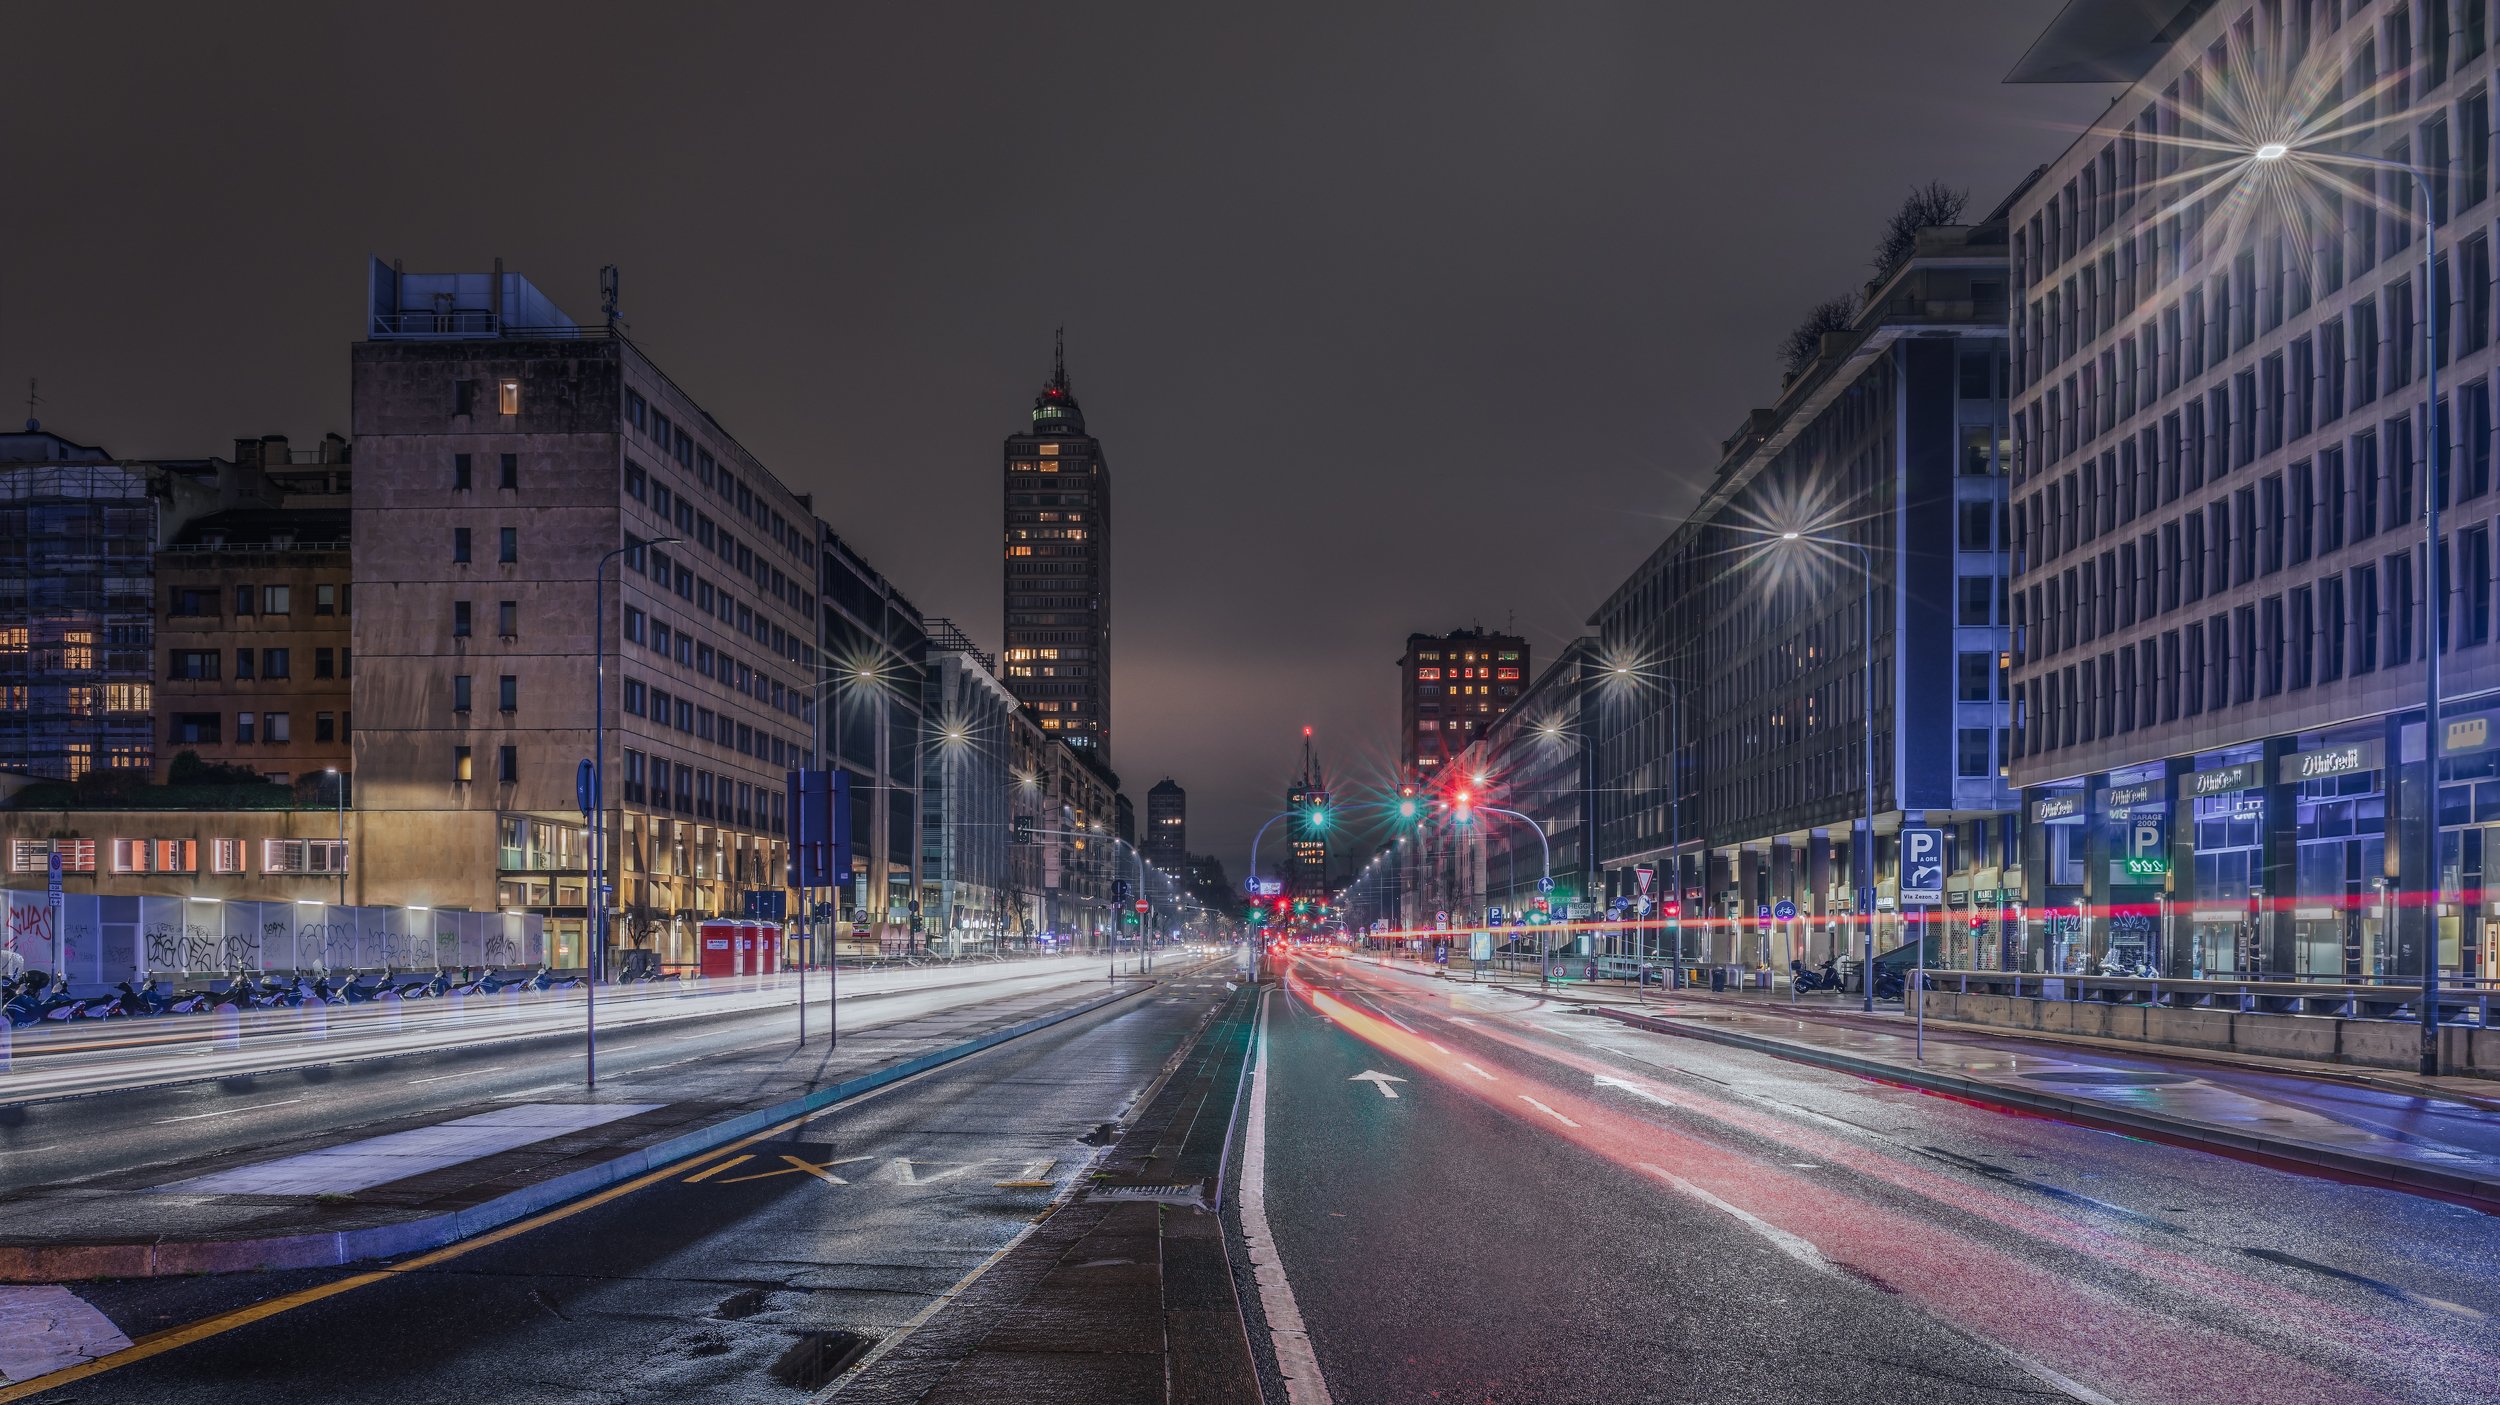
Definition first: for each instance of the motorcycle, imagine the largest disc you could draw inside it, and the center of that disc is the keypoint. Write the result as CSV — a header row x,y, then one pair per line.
x,y
1806,982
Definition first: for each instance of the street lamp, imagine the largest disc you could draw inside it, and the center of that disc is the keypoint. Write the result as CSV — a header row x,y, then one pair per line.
x,y
338,791
597,857
2434,612
1866,895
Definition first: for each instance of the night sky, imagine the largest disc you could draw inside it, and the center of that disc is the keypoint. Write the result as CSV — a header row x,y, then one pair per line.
x,y
1389,317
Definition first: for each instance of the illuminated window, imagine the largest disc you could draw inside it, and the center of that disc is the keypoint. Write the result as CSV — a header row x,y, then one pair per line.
x,y
78,649
177,856
81,761
82,702
508,396
129,697
225,855
463,765
1428,675
1048,450
132,855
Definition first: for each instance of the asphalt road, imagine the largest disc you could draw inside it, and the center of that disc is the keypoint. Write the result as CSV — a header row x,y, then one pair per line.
x,y
165,1122
728,1280
1559,1208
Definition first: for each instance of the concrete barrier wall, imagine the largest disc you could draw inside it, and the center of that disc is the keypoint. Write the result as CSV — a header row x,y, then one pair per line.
x,y
2394,1044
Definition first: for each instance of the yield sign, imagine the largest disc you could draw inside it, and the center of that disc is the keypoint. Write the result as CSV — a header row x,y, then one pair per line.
x,y
1378,1080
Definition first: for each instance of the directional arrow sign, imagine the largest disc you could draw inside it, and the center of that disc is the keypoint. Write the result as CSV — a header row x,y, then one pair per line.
x,y
1378,1080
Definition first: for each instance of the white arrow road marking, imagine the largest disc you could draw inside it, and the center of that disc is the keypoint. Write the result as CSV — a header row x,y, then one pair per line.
x,y
1635,1089
47,1328
1792,1245
1378,1080
1480,1073
1547,1110
906,1172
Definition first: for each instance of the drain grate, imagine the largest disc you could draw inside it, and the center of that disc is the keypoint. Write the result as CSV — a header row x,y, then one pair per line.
x,y
1150,1192
817,1357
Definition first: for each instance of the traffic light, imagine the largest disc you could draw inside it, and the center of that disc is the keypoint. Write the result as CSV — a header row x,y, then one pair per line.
x,y
1462,803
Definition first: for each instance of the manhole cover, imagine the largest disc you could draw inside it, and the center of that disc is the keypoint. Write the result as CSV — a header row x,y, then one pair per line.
x,y
1149,1192
2109,1078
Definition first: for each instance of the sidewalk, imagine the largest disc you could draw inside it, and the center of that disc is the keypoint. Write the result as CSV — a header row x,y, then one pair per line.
x,y
2391,1129
1123,1294
397,1186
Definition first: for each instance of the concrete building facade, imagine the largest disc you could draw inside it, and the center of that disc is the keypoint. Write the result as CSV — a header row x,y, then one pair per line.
x,y
2224,442
509,458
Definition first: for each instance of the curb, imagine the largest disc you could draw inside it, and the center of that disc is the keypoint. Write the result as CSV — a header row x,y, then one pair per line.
x,y
73,1262
2477,1192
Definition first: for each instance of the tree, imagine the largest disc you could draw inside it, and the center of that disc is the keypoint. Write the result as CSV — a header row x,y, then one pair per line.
x,y
1798,348
1924,207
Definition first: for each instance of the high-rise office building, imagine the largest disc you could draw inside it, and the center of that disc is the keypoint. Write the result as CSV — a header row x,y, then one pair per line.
x,y
1450,688
1167,825
1058,544
506,458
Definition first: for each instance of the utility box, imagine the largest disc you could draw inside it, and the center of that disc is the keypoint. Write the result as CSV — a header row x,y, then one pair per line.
x,y
733,948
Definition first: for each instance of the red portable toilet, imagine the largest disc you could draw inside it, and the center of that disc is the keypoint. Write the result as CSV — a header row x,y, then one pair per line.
x,y
718,942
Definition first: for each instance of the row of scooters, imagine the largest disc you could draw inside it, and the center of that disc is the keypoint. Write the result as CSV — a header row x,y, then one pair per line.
x,y
36,998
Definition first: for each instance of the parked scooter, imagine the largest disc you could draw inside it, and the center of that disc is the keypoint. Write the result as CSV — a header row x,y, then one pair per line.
x,y
1807,982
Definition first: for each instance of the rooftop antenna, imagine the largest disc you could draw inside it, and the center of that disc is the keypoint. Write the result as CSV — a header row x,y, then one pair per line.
x,y
32,400
1059,358
610,285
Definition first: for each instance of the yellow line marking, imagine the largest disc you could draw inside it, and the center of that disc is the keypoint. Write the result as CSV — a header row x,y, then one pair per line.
x,y
822,1173
715,1169
172,1338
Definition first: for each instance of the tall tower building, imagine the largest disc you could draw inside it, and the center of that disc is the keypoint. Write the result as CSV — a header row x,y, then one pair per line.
x,y
1167,824
1058,543
1307,804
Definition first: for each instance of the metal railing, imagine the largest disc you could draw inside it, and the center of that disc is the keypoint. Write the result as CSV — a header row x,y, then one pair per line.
x,y
2463,999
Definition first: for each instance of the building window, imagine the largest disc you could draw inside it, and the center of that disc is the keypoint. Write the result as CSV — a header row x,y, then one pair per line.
x,y
198,728
461,764
274,663
460,692
460,469
508,396
460,546
325,600
508,618
274,729
225,855
196,665
325,727
1974,672
325,663
303,856
508,468
508,545
1975,594
243,664
460,619
508,693
277,600
507,764
246,600
245,728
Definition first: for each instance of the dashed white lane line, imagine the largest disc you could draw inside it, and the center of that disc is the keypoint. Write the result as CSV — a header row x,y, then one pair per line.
x,y
1792,1245
1547,1110
466,1073
227,1112
1295,1360
46,1328
1480,1073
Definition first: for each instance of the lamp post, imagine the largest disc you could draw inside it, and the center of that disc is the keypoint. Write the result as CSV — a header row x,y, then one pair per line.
x,y
597,905
1545,946
1866,894
2434,604
338,791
